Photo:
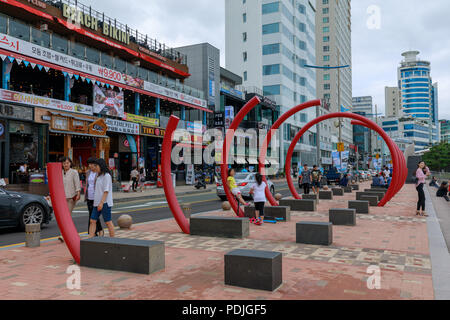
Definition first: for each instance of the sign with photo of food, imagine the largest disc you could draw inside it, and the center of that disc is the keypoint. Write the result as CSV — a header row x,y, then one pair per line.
x,y
108,102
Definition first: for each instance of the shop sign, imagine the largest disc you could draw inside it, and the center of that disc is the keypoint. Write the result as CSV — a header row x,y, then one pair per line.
x,y
38,3
122,126
60,123
231,91
19,127
152,131
47,55
151,53
16,112
142,120
98,127
44,102
219,119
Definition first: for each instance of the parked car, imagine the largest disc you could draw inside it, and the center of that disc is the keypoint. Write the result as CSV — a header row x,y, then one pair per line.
x,y
18,209
333,175
243,180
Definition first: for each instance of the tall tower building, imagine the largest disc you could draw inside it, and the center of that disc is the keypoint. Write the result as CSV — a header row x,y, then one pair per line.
x,y
393,107
269,43
333,48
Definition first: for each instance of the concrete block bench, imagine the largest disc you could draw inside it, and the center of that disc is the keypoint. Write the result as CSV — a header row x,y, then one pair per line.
x,y
278,212
317,233
129,255
325,195
299,205
337,191
253,269
311,196
360,194
359,205
376,190
348,189
222,227
355,186
373,200
343,217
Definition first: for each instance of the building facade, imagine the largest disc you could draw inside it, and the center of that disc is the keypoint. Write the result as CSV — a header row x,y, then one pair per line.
x,y
77,83
362,136
333,49
269,43
445,130
393,104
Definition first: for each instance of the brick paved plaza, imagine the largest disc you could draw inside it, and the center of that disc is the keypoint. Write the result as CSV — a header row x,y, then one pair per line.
x,y
390,237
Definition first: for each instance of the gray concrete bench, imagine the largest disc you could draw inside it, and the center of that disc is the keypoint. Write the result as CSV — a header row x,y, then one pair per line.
x,y
360,194
355,186
317,233
278,212
129,255
343,217
311,196
359,205
348,189
376,190
326,195
337,191
373,200
222,227
253,269
299,205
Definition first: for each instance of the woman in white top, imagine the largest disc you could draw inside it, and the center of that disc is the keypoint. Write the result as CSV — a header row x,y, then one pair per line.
x,y
91,177
258,190
103,200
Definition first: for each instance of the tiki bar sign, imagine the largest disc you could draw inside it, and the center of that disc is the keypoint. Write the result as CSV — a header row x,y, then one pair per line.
x,y
78,17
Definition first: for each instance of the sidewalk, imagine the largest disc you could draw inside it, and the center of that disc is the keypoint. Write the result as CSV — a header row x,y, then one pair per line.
x,y
390,237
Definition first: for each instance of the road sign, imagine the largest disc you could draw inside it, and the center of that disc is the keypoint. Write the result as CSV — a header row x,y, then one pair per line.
x,y
340,147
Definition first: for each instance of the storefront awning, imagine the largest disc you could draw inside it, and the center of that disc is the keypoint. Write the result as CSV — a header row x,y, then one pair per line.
x,y
78,134
252,160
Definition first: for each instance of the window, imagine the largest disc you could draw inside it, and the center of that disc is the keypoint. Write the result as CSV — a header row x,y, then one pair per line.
x,y
131,69
326,39
271,28
271,90
302,27
326,29
326,96
326,86
244,37
120,65
271,48
38,37
326,20
60,44
324,1
326,58
325,11
301,8
302,45
107,60
244,1
326,48
244,56
245,75
19,30
3,22
244,17
326,76
270,7
271,69
303,117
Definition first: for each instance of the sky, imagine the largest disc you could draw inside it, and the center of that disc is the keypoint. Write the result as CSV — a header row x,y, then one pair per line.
x,y
381,31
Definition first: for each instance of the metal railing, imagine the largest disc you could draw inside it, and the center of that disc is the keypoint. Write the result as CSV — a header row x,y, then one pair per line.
x,y
135,36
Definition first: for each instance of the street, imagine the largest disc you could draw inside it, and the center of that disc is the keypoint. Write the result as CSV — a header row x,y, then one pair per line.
x,y
144,210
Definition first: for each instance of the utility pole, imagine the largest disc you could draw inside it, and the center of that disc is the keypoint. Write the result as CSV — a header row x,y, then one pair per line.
x,y
318,137
339,104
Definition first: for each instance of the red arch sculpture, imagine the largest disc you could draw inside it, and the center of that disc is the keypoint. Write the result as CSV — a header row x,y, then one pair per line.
x,y
228,139
269,136
166,175
63,217
392,190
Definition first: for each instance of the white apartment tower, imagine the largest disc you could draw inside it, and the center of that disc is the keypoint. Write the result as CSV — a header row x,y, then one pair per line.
x,y
269,43
333,49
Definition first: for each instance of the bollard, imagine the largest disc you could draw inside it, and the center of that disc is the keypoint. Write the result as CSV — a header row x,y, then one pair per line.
x,y
187,208
32,235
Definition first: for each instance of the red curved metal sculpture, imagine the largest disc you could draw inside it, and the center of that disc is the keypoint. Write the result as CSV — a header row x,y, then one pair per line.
x,y
392,190
228,139
276,126
61,210
166,176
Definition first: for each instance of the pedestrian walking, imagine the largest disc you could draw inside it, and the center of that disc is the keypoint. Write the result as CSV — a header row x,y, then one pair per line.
x,y
91,176
316,176
305,179
134,175
71,180
142,176
103,200
421,174
258,189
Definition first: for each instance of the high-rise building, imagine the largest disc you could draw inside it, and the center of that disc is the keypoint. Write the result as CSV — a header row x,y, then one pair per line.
x,y
333,49
269,43
418,93
362,136
445,130
393,107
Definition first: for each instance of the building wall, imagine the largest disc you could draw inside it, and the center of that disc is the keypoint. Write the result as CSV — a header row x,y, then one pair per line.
x,y
392,102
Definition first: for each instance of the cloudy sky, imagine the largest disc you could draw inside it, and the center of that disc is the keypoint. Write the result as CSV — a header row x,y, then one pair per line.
x,y
404,25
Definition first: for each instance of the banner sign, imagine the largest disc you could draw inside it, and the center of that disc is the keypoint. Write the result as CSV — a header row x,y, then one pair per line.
x,y
44,102
152,132
47,55
16,112
229,116
122,126
108,102
140,119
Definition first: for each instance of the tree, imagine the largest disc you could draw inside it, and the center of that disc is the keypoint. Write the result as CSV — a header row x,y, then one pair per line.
x,y
438,158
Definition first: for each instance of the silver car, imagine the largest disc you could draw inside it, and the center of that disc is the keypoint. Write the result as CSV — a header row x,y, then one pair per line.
x,y
244,180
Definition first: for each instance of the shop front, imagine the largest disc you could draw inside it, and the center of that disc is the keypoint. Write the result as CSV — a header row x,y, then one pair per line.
x,y
152,137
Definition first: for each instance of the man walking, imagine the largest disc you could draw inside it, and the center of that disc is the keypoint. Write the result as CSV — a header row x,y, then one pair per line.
x,y
316,176
305,179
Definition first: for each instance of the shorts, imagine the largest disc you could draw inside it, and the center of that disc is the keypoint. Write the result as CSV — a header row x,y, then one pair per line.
x,y
106,213
316,184
259,206
235,191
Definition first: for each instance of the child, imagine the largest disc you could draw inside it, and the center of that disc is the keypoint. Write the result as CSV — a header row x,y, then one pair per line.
x,y
259,197
233,187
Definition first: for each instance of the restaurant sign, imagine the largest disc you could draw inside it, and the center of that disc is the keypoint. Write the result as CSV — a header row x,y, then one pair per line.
x,y
16,112
122,126
152,132
142,120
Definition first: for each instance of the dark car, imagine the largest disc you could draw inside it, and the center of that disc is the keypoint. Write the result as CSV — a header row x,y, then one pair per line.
x,y
333,176
18,209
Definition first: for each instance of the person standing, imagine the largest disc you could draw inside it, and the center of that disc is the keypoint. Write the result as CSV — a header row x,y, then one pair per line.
x,y
103,200
142,175
258,190
134,175
316,177
71,181
91,176
421,174
305,179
